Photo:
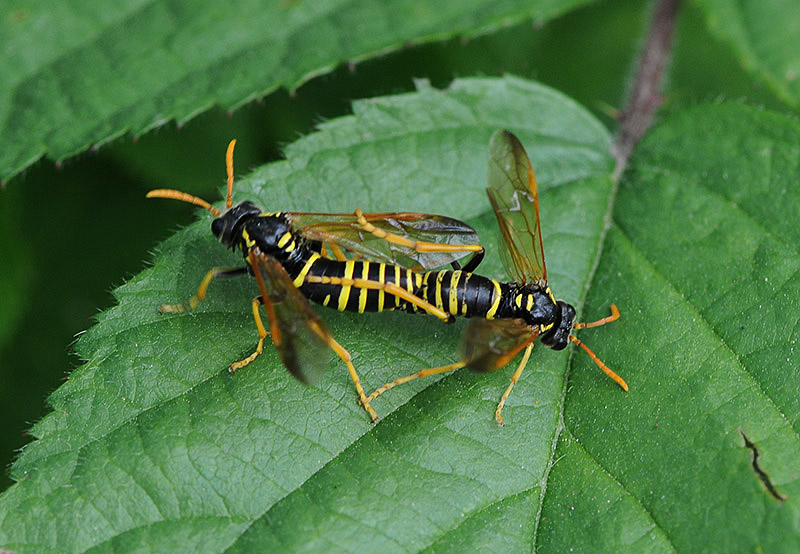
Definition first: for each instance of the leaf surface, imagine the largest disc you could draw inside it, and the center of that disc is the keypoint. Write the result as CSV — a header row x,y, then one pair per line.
x,y
703,263
78,74
155,444
762,35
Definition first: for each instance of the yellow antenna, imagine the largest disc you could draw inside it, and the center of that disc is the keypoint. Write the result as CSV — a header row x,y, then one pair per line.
x,y
229,168
183,197
197,201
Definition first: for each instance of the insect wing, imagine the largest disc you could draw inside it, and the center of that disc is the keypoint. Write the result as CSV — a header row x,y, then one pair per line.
x,y
490,344
515,198
298,332
345,231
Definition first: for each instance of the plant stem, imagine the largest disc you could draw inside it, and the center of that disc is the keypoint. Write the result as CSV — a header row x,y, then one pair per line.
x,y
645,96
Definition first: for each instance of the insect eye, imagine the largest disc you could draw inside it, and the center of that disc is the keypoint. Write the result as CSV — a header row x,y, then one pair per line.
x,y
217,227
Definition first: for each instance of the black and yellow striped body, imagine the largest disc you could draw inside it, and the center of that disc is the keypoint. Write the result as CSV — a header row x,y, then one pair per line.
x,y
454,292
354,299
458,293
469,295
273,235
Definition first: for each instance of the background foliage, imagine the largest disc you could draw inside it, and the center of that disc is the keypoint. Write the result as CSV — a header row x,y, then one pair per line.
x,y
701,256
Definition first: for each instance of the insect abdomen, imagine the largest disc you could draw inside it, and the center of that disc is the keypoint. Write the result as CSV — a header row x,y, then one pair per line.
x,y
353,297
462,294
458,293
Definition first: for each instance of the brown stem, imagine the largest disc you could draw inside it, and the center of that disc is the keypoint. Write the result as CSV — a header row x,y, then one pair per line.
x,y
645,96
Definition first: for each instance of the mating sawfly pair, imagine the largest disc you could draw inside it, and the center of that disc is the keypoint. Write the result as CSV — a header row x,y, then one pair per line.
x,y
387,261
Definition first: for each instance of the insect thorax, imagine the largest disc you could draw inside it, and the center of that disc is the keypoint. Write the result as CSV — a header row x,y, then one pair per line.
x,y
537,306
273,235
528,302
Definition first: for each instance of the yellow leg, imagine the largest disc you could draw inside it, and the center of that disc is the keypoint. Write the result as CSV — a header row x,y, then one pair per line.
x,y
277,338
262,334
192,303
422,373
514,379
418,245
389,288
337,252
348,360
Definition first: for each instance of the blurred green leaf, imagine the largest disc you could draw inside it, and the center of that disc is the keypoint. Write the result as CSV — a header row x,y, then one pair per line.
x,y
15,272
79,74
764,37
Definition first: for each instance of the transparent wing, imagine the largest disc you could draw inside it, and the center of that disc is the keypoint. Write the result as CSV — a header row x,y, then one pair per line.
x,y
401,238
515,198
298,332
489,344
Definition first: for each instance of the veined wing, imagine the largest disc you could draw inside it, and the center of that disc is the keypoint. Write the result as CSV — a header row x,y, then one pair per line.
x,y
297,331
413,240
489,344
515,198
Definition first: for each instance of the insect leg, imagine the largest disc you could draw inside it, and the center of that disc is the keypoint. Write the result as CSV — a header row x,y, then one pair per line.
x,y
422,373
422,246
192,303
389,288
617,379
348,360
337,252
262,334
514,379
613,317
277,338
608,319
472,263
322,248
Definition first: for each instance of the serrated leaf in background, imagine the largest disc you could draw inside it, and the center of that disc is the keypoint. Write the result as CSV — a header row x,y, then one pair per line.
x,y
134,65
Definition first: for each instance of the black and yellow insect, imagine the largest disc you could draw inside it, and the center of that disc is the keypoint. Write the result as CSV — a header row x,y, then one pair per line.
x,y
508,317
354,262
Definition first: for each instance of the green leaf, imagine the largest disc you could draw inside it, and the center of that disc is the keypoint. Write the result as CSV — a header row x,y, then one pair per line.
x,y
763,36
153,443
703,263
104,69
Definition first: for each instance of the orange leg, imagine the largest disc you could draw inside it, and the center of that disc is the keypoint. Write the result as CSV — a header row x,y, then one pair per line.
x,y
613,317
422,373
277,338
619,380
